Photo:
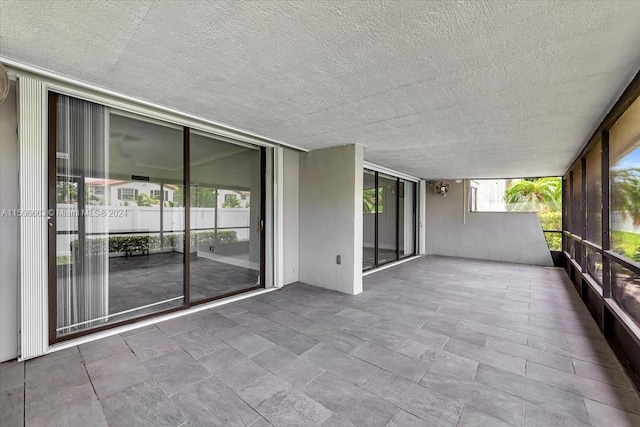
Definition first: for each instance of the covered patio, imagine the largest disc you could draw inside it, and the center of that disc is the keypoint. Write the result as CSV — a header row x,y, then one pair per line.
x,y
433,341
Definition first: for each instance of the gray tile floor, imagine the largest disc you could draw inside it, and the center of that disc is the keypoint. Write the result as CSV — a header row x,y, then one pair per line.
x,y
434,342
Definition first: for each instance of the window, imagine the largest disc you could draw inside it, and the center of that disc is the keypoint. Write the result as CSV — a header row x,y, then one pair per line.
x,y
576,201
487,195
98,190
127,194
624,175
473,199
156,194
541,195
594,196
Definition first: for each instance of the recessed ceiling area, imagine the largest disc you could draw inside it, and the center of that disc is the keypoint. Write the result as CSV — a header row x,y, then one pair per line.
x,y
451,89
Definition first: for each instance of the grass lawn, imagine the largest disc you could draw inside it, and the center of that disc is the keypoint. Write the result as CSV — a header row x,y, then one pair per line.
x,y
63,259
626,243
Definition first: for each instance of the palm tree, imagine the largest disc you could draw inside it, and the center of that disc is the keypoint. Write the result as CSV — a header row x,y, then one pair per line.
x,y
231,202
541,194
369,200
625,193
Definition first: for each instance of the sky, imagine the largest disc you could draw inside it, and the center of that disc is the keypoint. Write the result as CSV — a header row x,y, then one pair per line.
x,y
631,160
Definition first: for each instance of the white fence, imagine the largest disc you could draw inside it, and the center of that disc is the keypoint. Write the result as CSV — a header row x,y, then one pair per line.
x,y
126,219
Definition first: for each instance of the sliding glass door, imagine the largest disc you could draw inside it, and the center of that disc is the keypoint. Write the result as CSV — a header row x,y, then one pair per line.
x,y
226,229
389,219
146,217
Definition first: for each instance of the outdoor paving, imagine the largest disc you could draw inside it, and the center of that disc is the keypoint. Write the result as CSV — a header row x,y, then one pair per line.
x,y
432,342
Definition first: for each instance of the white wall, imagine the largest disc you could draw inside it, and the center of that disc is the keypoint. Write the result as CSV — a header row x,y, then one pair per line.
x,y
331,218
8,228
498,236
291,230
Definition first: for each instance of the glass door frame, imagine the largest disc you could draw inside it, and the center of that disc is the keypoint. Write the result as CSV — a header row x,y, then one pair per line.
x,y
414,221
52,286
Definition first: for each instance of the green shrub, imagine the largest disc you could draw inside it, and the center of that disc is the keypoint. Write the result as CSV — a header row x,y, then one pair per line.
x,y
552,221
139,242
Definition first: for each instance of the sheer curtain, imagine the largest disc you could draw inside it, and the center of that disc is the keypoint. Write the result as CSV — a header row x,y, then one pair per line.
x,y
82,239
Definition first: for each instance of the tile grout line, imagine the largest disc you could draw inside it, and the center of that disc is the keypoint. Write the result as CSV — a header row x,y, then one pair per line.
x,y
92,387
24,394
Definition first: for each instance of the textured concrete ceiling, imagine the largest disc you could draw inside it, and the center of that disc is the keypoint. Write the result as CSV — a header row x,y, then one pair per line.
x,y
446,89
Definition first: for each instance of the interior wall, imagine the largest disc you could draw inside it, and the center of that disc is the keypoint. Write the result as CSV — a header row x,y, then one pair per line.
x,y
331,218
498,236
8,228
291,230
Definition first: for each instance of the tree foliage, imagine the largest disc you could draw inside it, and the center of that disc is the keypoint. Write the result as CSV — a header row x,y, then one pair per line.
x,y
625,193
542,195
369,200
231,201
201,197
147,200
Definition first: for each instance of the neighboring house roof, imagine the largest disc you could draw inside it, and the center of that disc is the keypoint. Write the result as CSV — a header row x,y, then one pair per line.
x,y
97,182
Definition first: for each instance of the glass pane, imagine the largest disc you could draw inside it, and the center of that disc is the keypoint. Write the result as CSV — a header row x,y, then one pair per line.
x,y
387,215
566,205
225,213
594,195
624,152
368,219
576,203
625,289
407,232
593,265
119,237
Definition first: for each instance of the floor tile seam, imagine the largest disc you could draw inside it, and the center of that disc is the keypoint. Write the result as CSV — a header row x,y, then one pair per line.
x,y
374,343
293,390
636,414
529,332
582,358
407,409
499,350
583,398
250,385
395,415
493,416
456,399
580,398
586,397
370,376
311,380
211,374
99,400
603,382
24,393
393,351
428,370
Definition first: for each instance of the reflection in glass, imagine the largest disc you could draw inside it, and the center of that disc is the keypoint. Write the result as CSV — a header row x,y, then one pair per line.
x,y
225,211
594,195
625,289
368,219
120,221
576,203
387,216
566,212
407,223
592,263
624,151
